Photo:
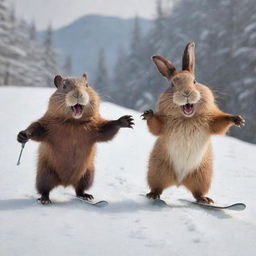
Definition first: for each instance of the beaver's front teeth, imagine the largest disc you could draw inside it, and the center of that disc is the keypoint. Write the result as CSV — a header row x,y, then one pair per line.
x,y
77,109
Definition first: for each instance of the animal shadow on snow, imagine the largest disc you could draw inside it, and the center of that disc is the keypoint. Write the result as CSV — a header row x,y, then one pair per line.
x,y
123,206
16,204
24,203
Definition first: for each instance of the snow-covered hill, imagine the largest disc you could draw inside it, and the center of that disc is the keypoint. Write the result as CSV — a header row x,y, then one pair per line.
x,y
129,225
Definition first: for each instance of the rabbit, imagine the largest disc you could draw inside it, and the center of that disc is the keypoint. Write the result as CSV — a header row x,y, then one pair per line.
x,y
186,118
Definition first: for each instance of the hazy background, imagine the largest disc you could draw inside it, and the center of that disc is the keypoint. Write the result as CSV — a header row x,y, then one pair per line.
x,y
113,41
63,12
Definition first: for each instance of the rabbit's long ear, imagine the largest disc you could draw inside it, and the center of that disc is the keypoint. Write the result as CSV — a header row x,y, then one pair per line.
x,y
188,60
164,66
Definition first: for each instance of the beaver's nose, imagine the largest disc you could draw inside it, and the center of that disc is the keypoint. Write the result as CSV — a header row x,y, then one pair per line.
x,y
77,94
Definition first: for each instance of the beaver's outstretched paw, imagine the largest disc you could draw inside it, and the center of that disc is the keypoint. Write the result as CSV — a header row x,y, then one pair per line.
x,y
126,121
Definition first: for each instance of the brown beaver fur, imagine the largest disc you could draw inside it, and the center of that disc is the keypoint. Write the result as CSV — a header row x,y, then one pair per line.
x,y
68,133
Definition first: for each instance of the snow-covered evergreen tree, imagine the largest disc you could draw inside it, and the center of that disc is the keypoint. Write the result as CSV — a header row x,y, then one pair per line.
x,y
102,82
8,52
245,79
119,76
49,57
225,35
133,85
32,31
23,60
153,83
67,67
134,61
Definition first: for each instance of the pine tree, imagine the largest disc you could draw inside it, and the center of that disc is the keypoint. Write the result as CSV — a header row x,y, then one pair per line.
x,y
119,76
101,82
159,29
244,83
49,57
13,47
23,60
12,14
7,75
8,52
32,31
134,60
156,41
67,68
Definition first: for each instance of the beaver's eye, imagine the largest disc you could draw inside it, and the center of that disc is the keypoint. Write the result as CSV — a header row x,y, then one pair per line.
x,y
65,85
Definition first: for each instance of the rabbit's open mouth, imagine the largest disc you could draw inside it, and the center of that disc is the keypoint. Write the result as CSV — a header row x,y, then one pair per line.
x,y
188,109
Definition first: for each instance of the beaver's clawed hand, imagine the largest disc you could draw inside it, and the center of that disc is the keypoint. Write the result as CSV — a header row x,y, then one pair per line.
x,y
147,114
126,121
238,120
23,137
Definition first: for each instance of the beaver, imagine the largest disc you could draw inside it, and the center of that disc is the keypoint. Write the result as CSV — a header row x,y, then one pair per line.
x,y
68,133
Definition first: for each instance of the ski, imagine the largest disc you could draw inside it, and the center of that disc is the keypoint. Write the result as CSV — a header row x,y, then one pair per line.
x,y
99,203
233,207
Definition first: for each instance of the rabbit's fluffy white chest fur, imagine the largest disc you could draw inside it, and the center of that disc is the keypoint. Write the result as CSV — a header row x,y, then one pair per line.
x,y
187,148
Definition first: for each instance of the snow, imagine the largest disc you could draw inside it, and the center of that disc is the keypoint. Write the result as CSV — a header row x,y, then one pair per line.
x,y
241,51
130,225
250,27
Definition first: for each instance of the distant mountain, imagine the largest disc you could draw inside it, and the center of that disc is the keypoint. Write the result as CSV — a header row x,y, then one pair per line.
x,y
84,38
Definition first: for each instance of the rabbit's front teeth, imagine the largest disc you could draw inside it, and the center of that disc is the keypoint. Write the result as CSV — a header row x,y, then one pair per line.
x,y
188,109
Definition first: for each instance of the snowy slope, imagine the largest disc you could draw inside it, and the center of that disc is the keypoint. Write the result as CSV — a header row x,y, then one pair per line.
x,y
129,225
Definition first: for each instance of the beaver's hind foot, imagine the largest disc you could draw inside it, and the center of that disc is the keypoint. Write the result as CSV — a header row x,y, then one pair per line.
x,y
153,195
44,200
86,196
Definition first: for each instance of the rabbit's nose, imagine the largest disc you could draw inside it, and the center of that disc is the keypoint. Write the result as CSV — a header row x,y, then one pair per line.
x,y
186,93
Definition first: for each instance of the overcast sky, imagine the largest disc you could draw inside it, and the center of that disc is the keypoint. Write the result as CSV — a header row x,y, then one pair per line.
x,y
62,12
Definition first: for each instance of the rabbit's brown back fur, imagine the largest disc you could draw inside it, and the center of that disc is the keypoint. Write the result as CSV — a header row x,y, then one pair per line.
x,y
186,118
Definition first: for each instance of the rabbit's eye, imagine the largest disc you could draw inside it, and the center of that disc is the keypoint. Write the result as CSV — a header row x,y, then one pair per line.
x,y
195,81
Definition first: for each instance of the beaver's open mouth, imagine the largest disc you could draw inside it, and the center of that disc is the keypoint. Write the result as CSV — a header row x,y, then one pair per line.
x,y
77,109
188,109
